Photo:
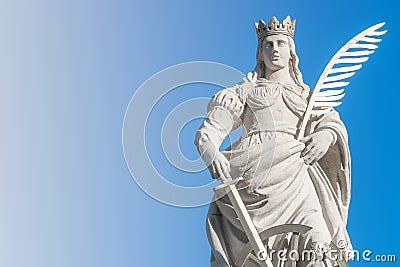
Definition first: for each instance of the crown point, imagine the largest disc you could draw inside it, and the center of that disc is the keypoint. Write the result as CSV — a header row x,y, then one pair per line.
x,y
287,27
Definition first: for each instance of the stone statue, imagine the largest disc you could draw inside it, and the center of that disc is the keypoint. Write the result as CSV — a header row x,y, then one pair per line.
x,y
291,166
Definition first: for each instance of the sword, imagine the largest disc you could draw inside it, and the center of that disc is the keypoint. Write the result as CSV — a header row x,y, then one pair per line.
x,y
228,185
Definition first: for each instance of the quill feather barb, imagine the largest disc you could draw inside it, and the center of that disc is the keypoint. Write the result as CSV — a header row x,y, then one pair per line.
x,y
346,62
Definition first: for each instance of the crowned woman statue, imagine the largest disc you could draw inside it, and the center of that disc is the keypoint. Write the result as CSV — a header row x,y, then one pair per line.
x,y
284,180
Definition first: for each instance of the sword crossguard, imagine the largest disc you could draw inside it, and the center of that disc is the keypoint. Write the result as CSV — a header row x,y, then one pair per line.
x,y
227,184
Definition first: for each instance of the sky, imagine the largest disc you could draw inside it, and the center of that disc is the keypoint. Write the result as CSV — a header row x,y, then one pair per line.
x,y
71,73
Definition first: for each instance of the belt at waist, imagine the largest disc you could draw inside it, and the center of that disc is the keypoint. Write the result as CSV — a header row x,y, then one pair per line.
x,y
276,126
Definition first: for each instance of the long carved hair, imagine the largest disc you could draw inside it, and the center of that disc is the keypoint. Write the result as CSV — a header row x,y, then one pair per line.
x,y
294,70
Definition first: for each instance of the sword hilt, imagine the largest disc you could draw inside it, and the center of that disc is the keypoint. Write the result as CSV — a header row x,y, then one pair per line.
x,y
227,183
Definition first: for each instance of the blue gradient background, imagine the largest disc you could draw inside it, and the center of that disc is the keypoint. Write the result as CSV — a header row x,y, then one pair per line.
x,y
68,70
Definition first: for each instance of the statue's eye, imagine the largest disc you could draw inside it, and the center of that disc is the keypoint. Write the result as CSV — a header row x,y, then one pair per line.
x,y
281,43
268,44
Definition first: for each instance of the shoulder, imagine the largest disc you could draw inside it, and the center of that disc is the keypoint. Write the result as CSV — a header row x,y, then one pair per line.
x,y
229,98
301,91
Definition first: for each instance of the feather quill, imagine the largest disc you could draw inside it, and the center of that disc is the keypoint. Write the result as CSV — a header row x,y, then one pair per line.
x,y
347,60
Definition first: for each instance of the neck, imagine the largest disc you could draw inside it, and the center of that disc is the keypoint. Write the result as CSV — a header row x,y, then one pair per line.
x,y
281,75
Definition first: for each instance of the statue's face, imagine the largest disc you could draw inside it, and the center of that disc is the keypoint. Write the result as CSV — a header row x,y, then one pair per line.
x,y
276,52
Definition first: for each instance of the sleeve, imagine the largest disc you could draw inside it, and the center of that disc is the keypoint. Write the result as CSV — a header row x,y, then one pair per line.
x,y
336,163
223,116
331,123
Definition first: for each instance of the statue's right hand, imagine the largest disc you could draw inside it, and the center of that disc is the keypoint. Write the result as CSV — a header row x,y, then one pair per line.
x,y
219,168
216,162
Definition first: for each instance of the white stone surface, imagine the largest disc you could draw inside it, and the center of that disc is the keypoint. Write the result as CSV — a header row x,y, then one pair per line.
x,y
285,178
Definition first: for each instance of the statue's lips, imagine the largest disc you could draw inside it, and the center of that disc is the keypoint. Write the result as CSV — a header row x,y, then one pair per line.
x,y
275,57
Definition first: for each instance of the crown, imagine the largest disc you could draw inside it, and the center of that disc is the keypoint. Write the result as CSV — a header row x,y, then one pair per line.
x,y
274,27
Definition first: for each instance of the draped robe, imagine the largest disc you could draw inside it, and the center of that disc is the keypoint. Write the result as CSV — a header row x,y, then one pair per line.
x,y
277,186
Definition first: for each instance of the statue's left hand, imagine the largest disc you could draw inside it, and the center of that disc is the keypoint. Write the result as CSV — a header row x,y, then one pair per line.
x,y
317,144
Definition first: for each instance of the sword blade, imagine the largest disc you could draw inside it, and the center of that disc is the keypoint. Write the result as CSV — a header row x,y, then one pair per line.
x,y
247,224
